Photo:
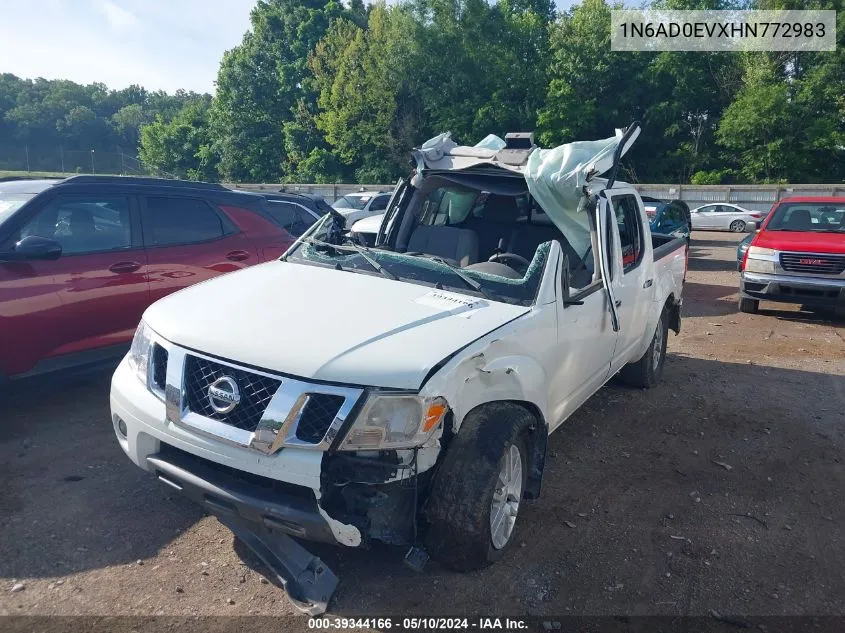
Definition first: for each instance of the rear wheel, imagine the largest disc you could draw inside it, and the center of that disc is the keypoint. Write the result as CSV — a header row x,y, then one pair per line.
x,y
749,306
738,226
476,494
646,372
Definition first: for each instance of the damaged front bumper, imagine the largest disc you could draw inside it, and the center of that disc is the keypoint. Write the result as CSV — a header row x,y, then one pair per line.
x,y
337,498
264,516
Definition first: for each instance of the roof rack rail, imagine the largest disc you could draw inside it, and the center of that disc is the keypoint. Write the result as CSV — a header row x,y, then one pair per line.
x,y
137,180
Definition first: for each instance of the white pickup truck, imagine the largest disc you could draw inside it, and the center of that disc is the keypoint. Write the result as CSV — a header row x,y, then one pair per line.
x,y
404,393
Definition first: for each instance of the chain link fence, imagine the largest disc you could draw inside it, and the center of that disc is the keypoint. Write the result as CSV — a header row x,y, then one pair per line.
x,y
61,161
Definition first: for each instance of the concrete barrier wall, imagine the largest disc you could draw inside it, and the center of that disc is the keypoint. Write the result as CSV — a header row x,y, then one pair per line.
x,y
755,197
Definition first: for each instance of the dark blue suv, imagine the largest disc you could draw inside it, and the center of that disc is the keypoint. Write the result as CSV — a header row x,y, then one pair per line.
x,y
668,217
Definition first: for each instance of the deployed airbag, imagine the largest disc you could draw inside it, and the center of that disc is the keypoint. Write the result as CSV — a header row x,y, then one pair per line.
x,y
556,177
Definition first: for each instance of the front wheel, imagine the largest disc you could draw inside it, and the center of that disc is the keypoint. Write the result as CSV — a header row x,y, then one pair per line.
x,y
646,372
475,498
738,226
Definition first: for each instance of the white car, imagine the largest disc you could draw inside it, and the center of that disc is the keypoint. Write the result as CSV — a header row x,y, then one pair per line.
x,y
367,229
360,205
405,393
724,217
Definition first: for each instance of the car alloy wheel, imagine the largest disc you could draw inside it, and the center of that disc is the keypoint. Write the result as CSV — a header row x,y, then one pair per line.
x,y
505,503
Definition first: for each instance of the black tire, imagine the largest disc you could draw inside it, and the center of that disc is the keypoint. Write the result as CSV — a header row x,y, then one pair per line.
x,y
749,306
646,372
737,226
459,534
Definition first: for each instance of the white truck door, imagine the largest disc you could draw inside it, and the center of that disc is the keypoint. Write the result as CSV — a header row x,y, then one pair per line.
x,y
585,344
632,272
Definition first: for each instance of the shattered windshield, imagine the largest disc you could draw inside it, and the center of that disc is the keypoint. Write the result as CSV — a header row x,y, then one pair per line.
x,y
463,240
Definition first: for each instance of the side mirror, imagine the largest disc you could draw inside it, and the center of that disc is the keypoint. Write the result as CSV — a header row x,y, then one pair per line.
x,y
565,285
34,247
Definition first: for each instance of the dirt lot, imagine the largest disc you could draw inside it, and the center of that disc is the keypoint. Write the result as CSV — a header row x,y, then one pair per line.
x,y
721,489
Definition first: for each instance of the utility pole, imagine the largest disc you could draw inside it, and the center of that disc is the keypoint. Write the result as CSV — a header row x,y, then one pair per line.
x,y
62,154
92,161
26,149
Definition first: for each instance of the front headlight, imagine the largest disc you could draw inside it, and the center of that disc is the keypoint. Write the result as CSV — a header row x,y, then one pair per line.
x,y
395,421
759,266
139,352
760,260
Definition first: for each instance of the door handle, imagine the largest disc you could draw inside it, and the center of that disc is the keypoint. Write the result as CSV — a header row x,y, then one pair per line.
x,y
648,283
237,256
618,302
124,267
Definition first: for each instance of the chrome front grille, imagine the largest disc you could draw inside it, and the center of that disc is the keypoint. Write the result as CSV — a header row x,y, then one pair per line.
x,y
256,391
272,412
814,263
317,416
159,368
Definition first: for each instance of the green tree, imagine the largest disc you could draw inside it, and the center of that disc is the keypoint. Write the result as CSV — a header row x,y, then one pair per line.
x,y
260,83
787,123
46,119
759,126
366,79
592,90
127,124
181,147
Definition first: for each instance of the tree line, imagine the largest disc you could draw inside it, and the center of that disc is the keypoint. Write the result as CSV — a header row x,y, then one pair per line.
x,y
321,92
42,118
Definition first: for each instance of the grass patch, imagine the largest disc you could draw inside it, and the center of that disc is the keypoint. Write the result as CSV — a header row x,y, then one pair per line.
x,y
34,174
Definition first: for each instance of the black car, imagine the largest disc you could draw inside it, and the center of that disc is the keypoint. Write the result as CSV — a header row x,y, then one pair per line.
x,y
294,212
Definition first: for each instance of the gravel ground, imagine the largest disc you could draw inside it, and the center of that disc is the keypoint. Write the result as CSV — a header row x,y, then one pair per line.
x,y
722,489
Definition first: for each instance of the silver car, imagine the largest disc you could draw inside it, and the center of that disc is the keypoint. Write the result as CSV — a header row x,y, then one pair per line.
x,y
724,217
362,204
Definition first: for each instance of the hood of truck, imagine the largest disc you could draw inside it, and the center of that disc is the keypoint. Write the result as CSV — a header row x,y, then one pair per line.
x,y
324,324
802,241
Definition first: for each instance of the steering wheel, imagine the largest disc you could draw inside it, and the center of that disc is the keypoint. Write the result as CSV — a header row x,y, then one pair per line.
x,y
503,258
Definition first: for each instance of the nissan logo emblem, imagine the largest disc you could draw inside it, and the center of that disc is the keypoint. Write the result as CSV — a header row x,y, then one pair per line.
x,y
224,395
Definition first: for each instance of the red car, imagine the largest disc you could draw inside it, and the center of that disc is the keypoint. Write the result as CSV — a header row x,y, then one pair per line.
x,y
82,258
798,256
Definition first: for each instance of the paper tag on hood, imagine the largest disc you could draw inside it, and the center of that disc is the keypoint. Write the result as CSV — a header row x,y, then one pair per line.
x,y
447,300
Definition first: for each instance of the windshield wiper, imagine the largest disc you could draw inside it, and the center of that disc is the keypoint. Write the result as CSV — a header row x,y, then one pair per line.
x,y
355,248
469,281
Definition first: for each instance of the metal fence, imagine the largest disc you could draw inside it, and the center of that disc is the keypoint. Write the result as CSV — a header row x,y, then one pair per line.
x,y
79,161
754,197
329,192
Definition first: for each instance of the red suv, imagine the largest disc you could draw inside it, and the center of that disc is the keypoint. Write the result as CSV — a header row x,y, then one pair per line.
x,y
80,259
798,256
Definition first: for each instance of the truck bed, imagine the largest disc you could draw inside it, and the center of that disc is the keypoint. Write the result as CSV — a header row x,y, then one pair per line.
x,y
663,244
